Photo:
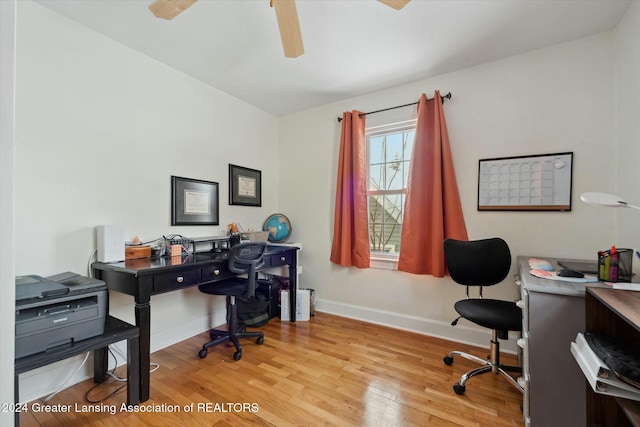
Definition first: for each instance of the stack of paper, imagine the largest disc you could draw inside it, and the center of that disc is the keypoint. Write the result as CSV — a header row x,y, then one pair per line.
x,y
552,275
600,377
624,286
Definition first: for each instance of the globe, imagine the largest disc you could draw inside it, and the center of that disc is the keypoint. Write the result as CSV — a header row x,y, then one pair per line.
x,y
279,228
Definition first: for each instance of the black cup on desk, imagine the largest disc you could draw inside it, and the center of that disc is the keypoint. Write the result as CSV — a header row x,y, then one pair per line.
x,y
234,240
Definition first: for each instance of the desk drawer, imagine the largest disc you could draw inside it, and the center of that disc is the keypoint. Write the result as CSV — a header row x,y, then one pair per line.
x,y
170,281
216,272
280,259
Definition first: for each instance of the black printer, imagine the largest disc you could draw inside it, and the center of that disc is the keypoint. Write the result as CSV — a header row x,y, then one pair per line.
x,y
56,310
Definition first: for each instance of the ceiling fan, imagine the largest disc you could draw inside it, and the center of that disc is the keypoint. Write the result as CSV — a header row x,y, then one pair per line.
x,y
286,14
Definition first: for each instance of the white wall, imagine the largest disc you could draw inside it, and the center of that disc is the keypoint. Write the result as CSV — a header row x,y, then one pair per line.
x,y
7,147
100,130
552,100
628,131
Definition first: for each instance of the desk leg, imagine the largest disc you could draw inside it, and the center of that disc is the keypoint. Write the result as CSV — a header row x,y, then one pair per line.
x,y
100,364
143,321
100,367
16,399
133,371
293,286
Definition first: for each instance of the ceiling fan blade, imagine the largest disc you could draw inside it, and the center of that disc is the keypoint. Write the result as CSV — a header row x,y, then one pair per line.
x,y
289,25
396,4
169,9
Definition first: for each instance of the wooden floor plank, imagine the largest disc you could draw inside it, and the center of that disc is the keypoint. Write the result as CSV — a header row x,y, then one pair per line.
x,y
329,371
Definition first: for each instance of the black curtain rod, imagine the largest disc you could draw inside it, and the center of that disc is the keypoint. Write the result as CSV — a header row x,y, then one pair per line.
x,y
442,98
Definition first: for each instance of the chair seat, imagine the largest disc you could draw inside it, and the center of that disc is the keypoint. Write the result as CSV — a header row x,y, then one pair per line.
x,y
491,313
235,286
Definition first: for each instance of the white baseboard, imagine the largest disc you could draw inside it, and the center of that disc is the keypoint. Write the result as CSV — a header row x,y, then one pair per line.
x,y
471,335
43,381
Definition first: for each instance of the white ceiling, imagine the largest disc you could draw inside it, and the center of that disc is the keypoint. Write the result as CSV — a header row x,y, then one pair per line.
x,y
352,47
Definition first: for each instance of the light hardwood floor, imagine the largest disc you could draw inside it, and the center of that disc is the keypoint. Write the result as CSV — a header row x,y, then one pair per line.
x,y
330,371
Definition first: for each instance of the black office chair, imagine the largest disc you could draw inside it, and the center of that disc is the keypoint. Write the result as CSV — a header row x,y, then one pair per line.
x,y
483,263
243,258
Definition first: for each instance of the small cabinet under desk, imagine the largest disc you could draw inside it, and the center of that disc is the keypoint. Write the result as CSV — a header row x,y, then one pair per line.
x,y
615,313
553,314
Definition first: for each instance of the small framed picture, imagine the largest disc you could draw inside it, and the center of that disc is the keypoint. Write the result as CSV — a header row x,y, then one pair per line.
x,y
245,186
194,202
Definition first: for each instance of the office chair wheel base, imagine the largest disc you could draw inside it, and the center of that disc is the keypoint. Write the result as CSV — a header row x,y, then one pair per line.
x,y
237,355
202,353
260,340
448,360
459,389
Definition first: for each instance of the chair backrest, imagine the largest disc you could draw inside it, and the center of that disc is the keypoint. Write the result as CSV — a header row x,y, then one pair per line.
x,y
477,262
247,258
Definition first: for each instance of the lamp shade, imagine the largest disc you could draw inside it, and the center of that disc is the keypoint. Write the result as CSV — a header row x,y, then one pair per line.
x,y
605,199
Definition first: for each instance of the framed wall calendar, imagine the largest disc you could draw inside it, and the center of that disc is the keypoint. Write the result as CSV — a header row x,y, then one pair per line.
x,y
540,182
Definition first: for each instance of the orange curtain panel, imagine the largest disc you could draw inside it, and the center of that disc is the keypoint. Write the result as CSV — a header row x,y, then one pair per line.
x,y
350,229
432,209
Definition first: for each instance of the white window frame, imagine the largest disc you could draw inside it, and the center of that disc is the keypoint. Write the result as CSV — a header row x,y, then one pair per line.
x,y
388,261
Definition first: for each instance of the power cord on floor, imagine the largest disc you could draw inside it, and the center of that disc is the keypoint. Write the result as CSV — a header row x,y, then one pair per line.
x,y
111,374
153,365
115,377
68,378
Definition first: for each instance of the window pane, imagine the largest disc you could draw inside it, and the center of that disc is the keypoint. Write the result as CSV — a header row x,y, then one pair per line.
x,y
375,237
391,211
385,221
393,224
394,147
400,203
375,177
405,173
393,205
408,150
391,238
376,151
389,156
408,144
375,209
394,176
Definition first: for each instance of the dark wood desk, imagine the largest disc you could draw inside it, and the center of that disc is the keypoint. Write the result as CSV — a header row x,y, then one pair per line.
x,y
143,278
115,330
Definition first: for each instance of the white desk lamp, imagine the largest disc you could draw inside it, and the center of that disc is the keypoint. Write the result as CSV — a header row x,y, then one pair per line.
x,y
604,199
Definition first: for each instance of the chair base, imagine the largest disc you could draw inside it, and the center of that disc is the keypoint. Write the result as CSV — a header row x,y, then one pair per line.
x,y
233,334
492,364
221,336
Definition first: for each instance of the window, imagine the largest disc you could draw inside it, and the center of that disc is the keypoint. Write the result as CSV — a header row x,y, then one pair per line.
x,y
389,150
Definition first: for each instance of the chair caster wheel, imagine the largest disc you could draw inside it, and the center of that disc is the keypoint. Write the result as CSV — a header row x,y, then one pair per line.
x,y
448,360
260,340
202,353
459,389
237,355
